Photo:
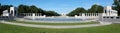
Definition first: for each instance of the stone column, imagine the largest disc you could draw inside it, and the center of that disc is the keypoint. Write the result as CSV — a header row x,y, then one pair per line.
x,y
33,16
44,16
83,16
75,16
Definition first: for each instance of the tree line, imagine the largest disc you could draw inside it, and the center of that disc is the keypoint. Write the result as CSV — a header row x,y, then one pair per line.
x,y
33,9
116,6
28,9
94,9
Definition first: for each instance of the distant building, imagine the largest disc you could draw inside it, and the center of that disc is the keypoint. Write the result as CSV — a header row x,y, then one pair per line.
x,y
63,15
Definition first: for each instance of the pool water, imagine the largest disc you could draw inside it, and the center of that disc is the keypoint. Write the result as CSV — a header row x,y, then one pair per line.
x,y
58,19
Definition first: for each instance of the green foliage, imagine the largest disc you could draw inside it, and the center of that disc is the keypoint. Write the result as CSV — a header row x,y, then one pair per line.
x,y
23,9
41,11
34,9
94,9
77,11
117,6
0,9
28,9
51,13
0,5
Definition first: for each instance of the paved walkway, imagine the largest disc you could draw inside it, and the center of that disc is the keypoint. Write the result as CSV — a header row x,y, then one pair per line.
x,y
49,26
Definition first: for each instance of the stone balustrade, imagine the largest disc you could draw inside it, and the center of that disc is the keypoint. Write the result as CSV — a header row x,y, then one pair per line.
x,y
32,15
87,15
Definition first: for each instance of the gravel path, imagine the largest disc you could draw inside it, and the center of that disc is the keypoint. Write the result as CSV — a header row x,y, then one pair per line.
x,y
50,26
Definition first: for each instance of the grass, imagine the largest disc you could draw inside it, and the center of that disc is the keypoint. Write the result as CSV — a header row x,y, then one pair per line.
x,y
40,23
6,28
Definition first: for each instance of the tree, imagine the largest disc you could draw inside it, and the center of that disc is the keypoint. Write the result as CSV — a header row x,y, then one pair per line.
x,y
33,9
77,11
95,9
117,6
41,11
0,5
23,9
29,9
0,9
51,13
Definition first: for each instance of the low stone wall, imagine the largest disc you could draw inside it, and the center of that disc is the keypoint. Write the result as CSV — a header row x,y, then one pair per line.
x,y
87,17
110,19
113,19
6,18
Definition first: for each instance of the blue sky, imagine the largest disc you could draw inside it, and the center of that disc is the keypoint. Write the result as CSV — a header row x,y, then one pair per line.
x,y
60,6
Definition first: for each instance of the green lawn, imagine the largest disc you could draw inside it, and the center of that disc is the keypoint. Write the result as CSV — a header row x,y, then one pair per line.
x,y
41,23
6,28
